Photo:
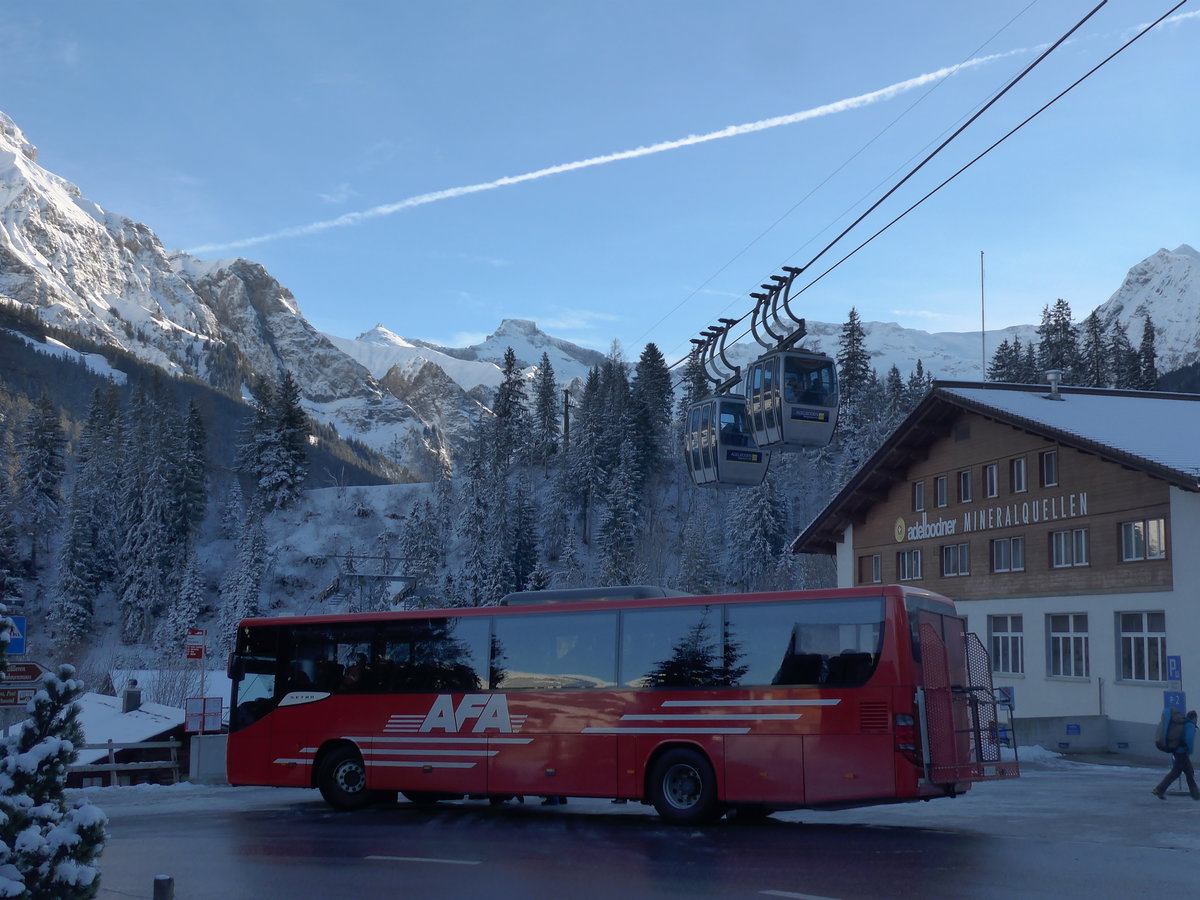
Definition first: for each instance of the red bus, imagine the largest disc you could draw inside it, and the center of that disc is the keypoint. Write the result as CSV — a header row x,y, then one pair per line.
x,y
695,704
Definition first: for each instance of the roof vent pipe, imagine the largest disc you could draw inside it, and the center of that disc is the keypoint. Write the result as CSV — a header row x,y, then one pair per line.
x,y
1054,376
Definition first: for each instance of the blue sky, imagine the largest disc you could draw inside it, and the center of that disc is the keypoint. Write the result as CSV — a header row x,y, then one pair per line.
x,y
247,128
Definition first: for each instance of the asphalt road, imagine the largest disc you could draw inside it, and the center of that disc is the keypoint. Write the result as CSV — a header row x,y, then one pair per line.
x,y
1062,830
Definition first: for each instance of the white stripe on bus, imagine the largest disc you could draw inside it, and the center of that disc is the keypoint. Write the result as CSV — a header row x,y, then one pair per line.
x,y
665,731
678,717
717,703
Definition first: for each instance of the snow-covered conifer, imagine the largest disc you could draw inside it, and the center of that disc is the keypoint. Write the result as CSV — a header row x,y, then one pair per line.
x,y
49,847
40,470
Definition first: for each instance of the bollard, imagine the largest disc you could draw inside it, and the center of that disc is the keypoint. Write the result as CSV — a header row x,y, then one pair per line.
x,y
164,887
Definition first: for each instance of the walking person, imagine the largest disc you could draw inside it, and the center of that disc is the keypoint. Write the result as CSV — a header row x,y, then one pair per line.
x,y
1181,755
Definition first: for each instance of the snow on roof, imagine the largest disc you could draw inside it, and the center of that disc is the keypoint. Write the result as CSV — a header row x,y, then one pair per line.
x,y
1162,429
101,718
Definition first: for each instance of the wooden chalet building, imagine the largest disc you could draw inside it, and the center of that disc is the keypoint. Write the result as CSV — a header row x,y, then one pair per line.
x,y
1066,524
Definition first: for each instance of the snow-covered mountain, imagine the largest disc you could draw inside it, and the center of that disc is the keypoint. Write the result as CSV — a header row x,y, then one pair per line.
x,y
227,321
1167,287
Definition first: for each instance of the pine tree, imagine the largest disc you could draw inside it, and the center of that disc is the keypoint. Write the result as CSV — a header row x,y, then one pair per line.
x,y
1058,348
757,522
854,363
182,609
10,586
651,397
511,422
699,572
919,383
621,524
1093,355
40,470
1029,367
49,847
546,428
273,449
1005,362
1123,359
570,573
521,532
1148,357
78,577
241,587
234,510
193,469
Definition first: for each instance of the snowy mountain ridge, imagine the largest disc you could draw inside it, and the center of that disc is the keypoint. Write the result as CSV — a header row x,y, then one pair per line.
x,y
110,279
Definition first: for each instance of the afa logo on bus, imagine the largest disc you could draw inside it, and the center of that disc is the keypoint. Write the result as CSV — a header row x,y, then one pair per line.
x,y
488,712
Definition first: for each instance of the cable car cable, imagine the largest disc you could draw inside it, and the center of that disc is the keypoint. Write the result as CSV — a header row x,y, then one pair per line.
x,y
999,141
826,180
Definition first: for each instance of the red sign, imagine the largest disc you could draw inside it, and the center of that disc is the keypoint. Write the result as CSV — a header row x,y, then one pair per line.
x,y
24,672
15,697
194,651
195,636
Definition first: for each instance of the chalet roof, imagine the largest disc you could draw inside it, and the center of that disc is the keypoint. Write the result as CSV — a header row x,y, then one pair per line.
x,y
1151,432
101,719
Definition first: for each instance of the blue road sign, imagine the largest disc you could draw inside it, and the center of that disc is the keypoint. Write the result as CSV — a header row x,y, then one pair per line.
x,y
16,645
1174,668
1175,700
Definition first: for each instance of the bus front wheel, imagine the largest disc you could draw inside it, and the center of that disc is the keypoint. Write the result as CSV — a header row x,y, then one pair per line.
x,y
683,788
342,779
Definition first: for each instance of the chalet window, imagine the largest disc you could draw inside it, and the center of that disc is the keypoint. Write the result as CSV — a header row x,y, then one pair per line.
x,y
1048,465
1069,548
1143,638
1016,475
991,480
1008,644
941,490
908,564
870,569
956,559
1145,539
918,496
1069,646
964,486
1008,554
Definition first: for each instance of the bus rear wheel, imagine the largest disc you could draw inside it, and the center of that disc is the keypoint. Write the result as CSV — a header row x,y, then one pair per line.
x,y
683,788
342,779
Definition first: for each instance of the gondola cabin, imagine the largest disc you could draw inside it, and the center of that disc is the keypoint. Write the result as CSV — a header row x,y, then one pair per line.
x,y
792,399
718,444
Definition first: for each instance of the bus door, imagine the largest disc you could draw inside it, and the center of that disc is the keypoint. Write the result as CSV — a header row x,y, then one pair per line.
x,y
254,671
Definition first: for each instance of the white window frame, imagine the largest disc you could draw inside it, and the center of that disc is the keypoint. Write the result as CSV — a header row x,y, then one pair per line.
x,y
1012,551
1007,641
941,491
1069,651
1142,646
1069,548
964,486
1143,539
918,496
1048,466
956,560
991,480
1016,475
908,565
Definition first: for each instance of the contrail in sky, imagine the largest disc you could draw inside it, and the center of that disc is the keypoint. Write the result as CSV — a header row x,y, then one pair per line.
x,y
838,106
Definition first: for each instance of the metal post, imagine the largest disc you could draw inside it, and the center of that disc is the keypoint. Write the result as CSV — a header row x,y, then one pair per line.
x,y
164,887
566,420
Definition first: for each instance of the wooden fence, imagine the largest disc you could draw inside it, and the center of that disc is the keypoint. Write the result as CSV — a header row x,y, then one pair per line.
x,y
113,767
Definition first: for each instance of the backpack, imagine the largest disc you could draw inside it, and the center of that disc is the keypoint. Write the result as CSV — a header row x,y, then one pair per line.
x,y
1169,736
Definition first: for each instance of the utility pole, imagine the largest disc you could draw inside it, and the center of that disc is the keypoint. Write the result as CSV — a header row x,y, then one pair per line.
x,y
566,420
